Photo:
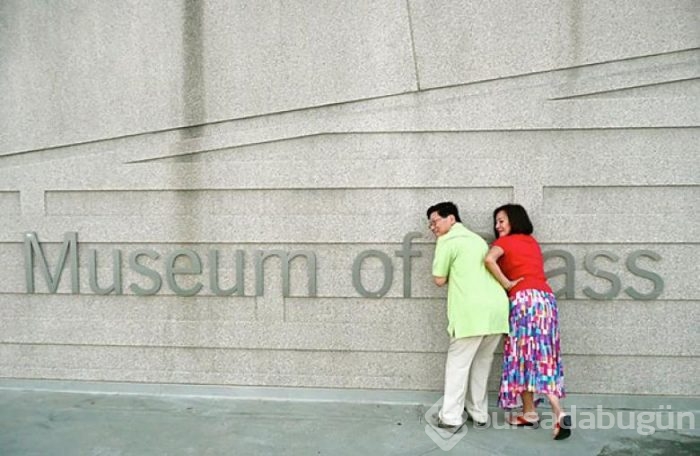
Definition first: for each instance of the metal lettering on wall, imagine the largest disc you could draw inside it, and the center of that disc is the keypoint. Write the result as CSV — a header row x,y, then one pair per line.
x,y
593,264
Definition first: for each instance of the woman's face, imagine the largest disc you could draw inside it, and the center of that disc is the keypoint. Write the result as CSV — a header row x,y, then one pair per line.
x,y
502,224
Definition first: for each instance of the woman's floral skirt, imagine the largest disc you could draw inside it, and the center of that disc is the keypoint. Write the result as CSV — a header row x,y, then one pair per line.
x,y
531,353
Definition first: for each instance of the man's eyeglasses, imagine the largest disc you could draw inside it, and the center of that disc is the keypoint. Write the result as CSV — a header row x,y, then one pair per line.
x,y
433,222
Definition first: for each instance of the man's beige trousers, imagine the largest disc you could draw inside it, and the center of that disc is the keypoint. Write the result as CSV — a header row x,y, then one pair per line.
x,y
466,375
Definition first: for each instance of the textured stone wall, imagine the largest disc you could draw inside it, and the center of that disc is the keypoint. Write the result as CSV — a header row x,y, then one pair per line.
x,y
254,127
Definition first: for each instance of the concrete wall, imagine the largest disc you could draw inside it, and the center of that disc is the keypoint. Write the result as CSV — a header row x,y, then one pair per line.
x,y
329,127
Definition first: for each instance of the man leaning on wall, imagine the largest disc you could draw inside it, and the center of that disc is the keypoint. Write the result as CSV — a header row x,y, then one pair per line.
x,y
477,314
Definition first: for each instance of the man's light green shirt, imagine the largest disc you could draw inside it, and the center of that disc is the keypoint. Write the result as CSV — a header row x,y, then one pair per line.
x,y
477,305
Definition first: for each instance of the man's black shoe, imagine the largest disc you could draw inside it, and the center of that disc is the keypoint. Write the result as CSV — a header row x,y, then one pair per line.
x,y
478,424
449,427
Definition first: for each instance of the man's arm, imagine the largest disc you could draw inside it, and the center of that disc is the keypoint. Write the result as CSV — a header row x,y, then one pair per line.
x,y
439,281
441,263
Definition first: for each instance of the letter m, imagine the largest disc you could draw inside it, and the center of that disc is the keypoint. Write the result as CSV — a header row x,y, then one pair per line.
x,y
32,248
285,260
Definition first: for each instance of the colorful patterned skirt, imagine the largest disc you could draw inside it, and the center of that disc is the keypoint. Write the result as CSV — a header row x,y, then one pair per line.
x,y
531,353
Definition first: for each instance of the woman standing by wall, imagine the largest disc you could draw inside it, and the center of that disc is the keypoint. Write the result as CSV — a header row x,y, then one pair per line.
x,y
531,354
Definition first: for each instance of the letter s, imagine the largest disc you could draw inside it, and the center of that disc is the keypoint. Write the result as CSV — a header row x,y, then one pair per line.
x,y
636,270
146,271
588,263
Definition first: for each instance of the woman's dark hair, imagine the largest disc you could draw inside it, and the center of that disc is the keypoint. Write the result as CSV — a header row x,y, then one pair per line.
x,y
517,217
444,209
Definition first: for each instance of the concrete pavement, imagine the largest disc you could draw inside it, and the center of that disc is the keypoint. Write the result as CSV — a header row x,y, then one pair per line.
x,y
77,418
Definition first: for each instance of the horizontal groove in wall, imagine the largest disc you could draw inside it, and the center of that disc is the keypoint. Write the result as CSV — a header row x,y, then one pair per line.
x,y
310,202
597,200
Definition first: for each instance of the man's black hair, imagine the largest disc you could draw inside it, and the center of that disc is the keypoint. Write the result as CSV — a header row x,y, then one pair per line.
x,y
444,209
